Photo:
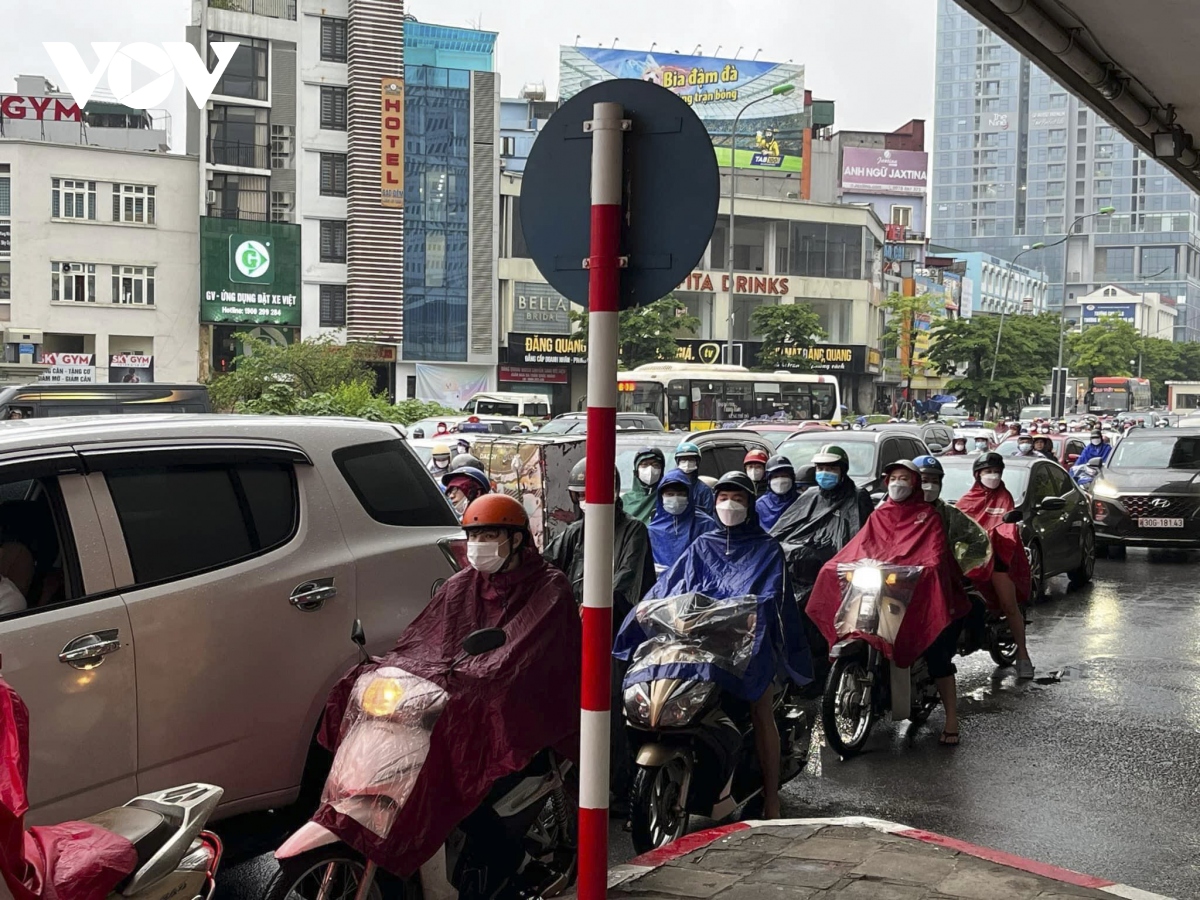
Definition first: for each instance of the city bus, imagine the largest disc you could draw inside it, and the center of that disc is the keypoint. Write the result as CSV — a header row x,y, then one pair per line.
x,y
1113,395
694,397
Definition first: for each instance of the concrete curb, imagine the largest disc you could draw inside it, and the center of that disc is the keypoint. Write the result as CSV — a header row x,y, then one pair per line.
x,y
689,843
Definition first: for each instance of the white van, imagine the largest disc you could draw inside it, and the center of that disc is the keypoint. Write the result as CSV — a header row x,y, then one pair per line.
x,y
502,403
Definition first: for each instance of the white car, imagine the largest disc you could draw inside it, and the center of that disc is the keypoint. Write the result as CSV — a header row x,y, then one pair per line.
x,y
194,584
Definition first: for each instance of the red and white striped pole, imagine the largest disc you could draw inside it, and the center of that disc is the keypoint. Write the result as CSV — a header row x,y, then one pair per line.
x,y
604,289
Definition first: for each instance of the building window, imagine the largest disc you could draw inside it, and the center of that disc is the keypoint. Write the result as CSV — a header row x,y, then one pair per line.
x,y
74,282
282,203
333,306
5,280
73,199
508,146
5,195
902,215
333,241
246,74
133,203
235,196
333,108
133,284
237,136
281,146
333,40
333,174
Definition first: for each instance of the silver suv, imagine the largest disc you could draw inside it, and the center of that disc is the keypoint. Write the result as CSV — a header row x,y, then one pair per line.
x,y
189,585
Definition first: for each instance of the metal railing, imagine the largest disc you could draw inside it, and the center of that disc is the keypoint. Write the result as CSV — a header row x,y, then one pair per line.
x,y
272,9
238,153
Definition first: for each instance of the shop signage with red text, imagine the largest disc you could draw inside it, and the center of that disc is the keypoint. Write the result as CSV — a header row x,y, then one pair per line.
x,y
754,285
51,109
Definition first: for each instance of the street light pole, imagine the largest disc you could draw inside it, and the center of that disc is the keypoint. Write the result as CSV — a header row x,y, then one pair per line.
x,y
1000,328
777,91
1057,406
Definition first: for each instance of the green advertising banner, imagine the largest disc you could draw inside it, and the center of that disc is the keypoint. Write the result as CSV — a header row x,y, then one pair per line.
x,y
249,272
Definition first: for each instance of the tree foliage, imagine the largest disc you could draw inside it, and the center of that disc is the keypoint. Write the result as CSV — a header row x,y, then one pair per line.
x,y
1105,348
903,314
647,333
787,329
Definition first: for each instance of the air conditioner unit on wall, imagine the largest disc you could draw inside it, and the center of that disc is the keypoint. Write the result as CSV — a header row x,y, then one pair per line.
x,y
210,197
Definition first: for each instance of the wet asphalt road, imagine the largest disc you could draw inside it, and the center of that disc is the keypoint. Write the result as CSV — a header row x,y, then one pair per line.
x,y
1094,766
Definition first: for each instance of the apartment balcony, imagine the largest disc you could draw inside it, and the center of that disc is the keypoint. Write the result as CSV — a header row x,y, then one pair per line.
x,y
271,9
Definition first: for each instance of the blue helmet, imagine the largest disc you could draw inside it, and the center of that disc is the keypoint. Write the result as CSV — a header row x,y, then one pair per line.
x,y
471,472
929,465
687,448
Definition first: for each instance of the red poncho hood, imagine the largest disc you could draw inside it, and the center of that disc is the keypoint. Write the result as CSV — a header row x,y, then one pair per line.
x,y
71,861
988,508
504,707
909,534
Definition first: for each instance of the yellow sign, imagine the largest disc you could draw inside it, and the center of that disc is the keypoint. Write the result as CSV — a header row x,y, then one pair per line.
x,y
391,143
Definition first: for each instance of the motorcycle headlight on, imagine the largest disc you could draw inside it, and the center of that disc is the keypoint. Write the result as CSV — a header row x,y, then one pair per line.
x,y
869,581
382,696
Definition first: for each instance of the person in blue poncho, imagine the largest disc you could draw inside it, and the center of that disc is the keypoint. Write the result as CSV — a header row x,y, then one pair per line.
x,y
736,560
676,522
1096,449
782,491
687,459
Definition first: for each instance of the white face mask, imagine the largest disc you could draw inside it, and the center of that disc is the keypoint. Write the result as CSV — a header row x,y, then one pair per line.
x,y
931,490
441,462
485,556
460,506
688,466
1096,442
650,475
899,491
960,447
675,506
731,513
781,485
756,473
1025,448
981,446
991,480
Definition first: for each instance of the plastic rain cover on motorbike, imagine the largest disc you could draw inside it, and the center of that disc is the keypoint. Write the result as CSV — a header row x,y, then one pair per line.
x,y
875,596
696,638
384,741
71,861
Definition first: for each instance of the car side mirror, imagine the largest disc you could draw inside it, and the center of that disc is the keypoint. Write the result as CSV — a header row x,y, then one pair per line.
x,y
1052,504
1013,516
485,640
1095,463
1071,457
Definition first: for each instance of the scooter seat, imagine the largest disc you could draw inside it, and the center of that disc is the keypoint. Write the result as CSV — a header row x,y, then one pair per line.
x,y
148,831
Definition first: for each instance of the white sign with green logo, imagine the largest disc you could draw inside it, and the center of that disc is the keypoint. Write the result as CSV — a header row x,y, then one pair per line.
x,y
250,259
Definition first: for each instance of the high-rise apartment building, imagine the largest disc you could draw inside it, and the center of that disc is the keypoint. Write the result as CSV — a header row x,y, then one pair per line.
x,y
1016,159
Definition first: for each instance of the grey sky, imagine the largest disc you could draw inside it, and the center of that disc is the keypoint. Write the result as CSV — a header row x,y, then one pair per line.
x,y
875,58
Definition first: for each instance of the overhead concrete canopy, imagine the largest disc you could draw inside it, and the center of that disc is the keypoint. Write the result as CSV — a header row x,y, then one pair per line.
x,y
1132,61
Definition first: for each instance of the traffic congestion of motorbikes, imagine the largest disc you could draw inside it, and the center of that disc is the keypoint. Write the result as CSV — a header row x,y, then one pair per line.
x,y
747,608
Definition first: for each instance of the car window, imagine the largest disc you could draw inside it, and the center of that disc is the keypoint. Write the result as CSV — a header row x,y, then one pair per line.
x,y
536,410
914,448
1062,481
890,450
1074,447
181,520
391,486
800,452
1164,452
1043,483
563,426
35,546
496,408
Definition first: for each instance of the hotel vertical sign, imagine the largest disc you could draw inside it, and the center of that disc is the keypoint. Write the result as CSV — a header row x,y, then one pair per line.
x,y
391,139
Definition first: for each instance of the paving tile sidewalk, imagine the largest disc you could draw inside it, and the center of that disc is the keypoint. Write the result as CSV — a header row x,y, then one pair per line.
x,y
845,859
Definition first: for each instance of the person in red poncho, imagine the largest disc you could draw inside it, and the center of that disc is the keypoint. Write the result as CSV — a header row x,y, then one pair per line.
x,y
987,502
504,707
906,530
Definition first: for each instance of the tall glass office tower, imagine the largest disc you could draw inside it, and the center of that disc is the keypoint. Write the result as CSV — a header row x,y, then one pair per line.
x,y
1016,158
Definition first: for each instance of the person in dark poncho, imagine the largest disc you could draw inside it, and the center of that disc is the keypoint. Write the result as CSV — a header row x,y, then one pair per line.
x,y
687,459
504,707
640,500
677,522
782,491
736,560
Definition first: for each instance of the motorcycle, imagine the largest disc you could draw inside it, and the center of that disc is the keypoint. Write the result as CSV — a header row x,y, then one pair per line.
x,y
693,742
176,857
385,740
1086,474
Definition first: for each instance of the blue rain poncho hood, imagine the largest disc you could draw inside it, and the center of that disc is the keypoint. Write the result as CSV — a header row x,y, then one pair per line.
x,y
671,535
771,506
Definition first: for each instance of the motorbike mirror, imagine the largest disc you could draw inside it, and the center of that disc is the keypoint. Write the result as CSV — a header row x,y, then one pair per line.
x,y
357,634
485,640
1094,463
1013,516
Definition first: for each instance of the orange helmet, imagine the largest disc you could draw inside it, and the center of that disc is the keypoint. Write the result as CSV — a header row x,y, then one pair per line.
x,y
495,511
755,456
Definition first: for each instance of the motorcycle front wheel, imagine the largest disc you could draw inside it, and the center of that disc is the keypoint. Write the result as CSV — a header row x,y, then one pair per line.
x,y
656,813
331,872
846,715
1002,645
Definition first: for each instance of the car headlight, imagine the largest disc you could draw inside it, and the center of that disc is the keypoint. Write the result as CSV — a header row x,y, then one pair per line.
x,y
1104,489
637,704
680,709
382,697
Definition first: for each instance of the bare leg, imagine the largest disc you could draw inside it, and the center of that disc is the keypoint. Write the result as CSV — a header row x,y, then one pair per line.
x,y
766,742
949,694
1006,591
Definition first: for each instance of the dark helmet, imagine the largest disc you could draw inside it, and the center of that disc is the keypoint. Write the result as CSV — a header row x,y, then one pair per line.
x,y
1097,433
735,481
578,479
928,465
832,455
466,461
471,472
989,460
780,464
807,476
650,453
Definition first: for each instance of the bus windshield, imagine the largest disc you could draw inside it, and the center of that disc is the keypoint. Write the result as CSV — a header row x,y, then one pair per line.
x,y
641,397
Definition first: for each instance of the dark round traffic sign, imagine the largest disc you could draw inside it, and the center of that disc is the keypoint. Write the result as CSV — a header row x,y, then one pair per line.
x,y
671,188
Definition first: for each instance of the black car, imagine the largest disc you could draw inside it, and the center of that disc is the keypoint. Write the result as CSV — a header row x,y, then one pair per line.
x,y
869,451
1057,527
938,436
1147,493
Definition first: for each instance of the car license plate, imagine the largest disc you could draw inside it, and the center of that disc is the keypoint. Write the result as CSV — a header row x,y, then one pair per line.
x,y
1160,523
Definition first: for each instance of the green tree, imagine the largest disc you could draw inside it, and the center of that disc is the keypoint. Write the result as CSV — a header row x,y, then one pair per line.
x,y
647,333
1160,361
1104,348
903,315
787,329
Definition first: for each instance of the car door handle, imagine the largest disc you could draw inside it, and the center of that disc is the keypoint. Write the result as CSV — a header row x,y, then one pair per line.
x,y
89,650
311,596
